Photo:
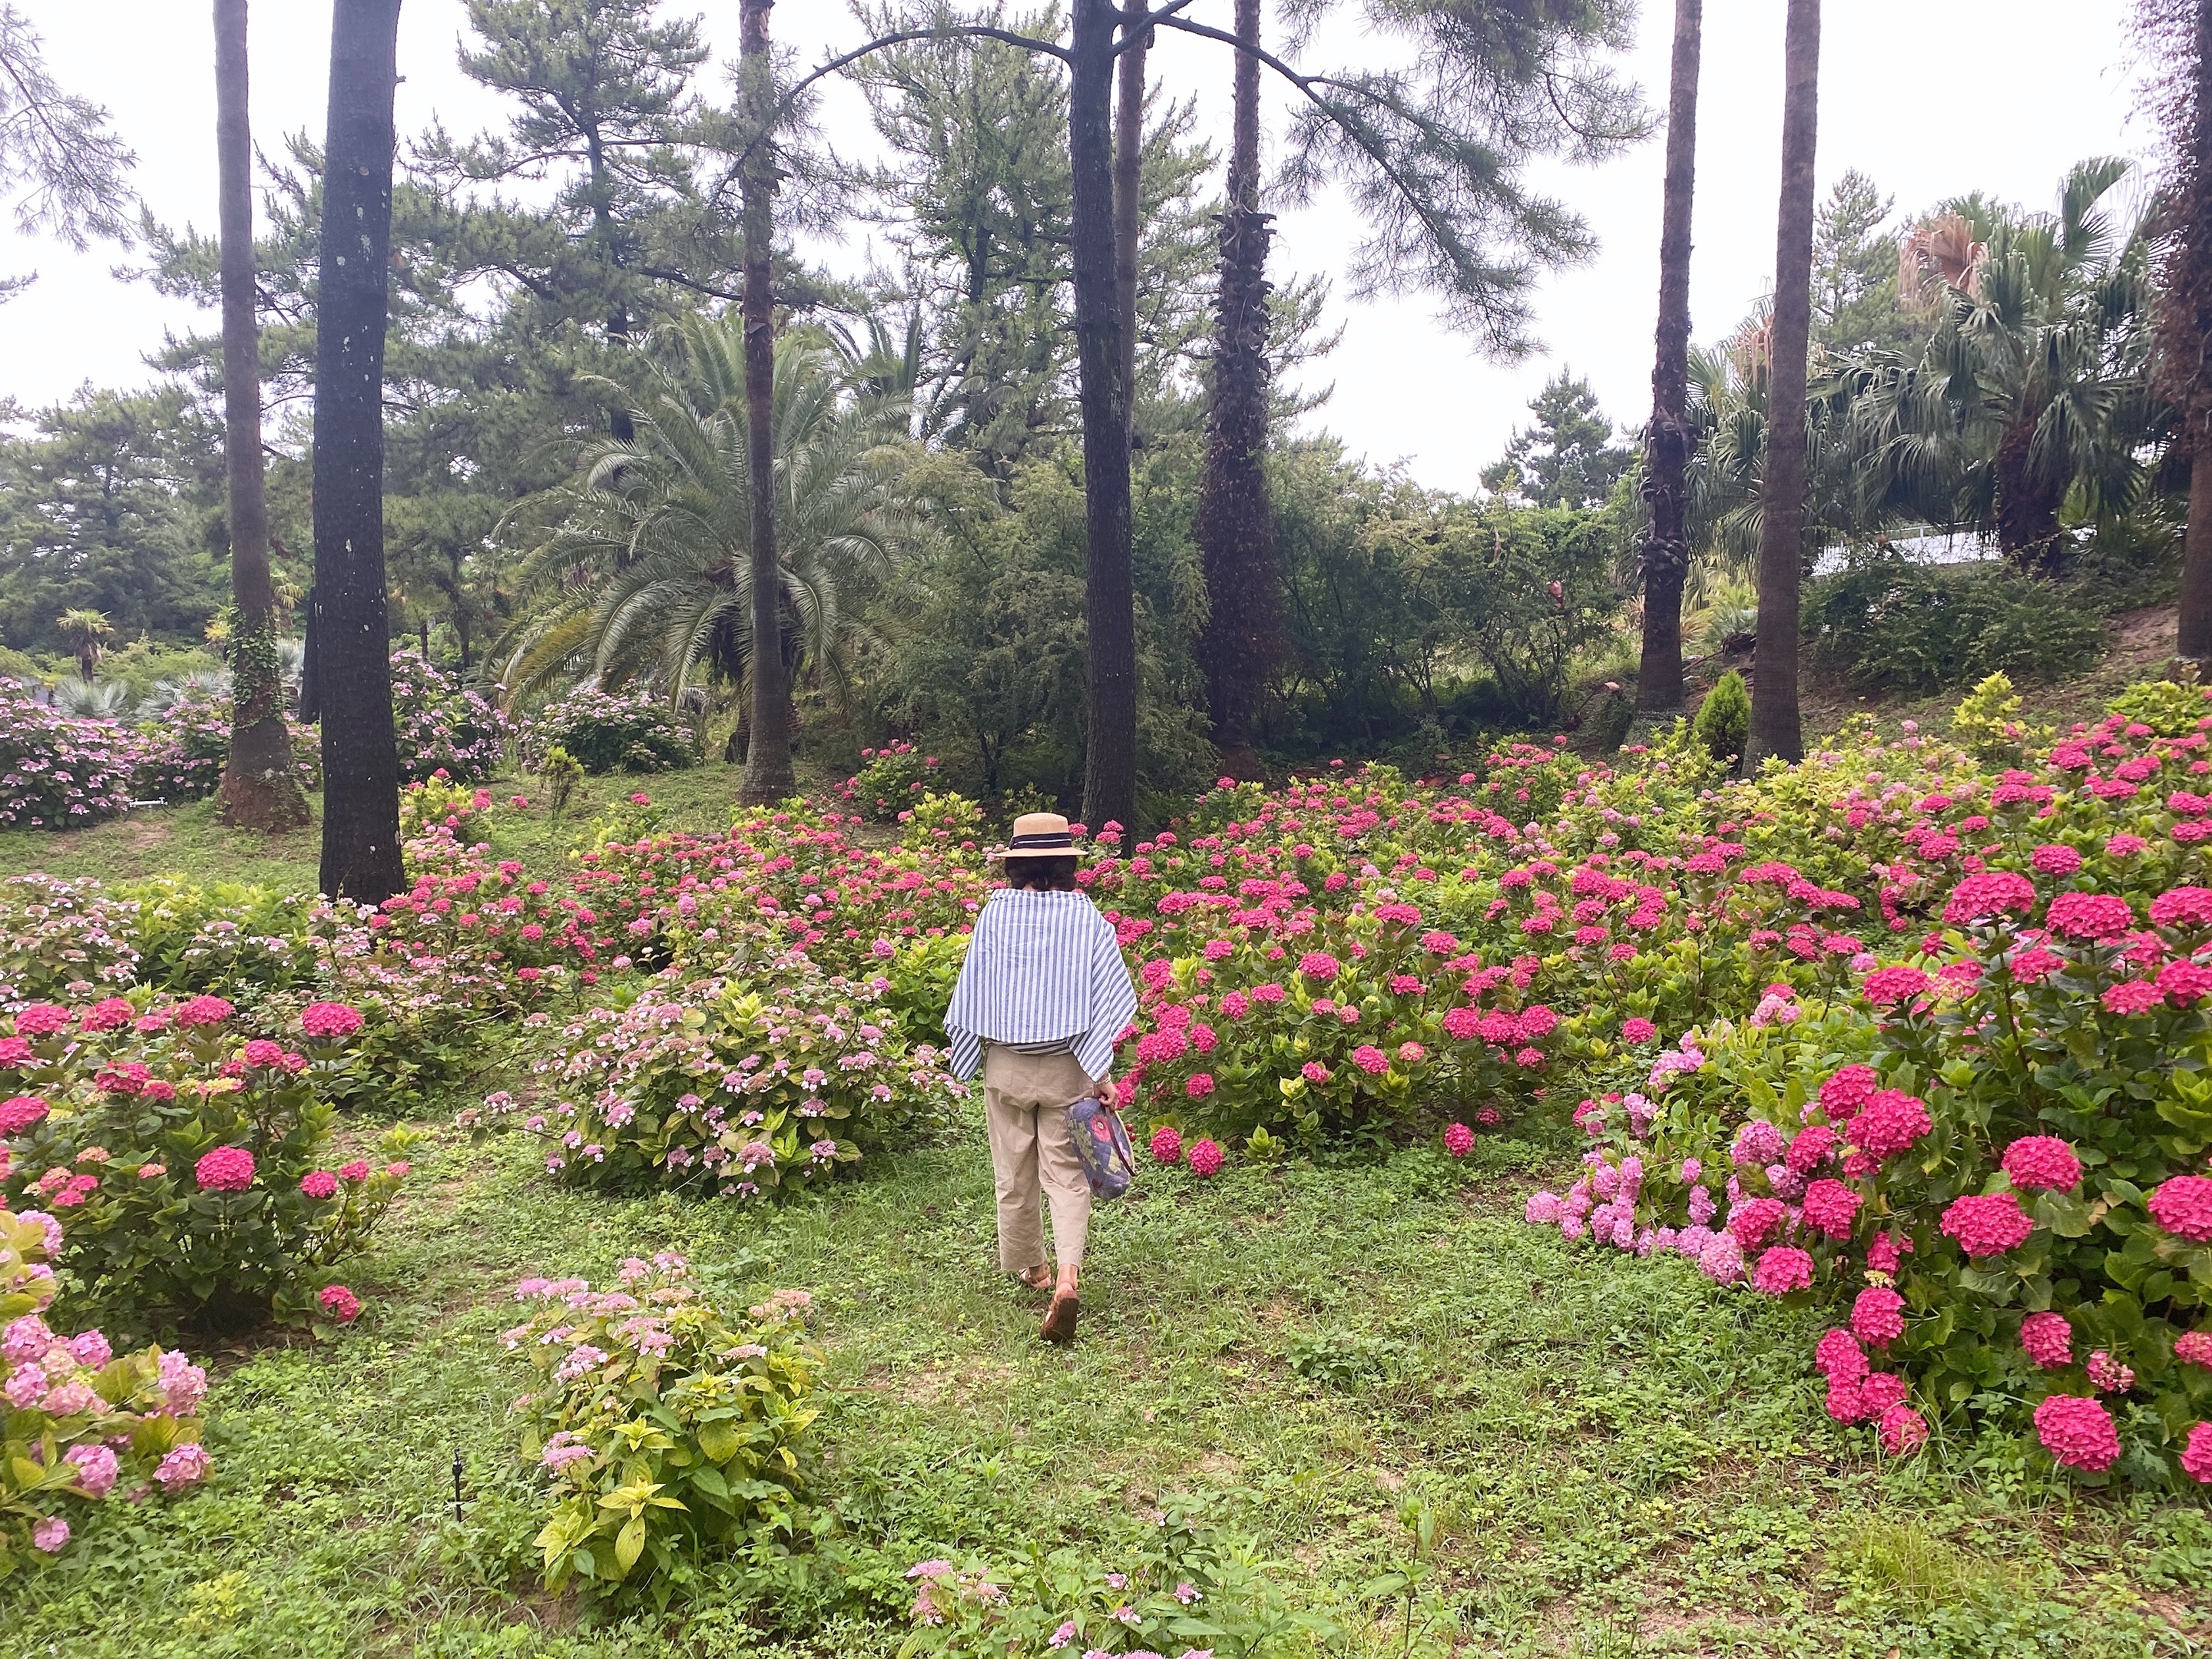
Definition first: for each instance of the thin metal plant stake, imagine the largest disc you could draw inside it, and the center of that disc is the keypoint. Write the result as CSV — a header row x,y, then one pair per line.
x,y
457,1485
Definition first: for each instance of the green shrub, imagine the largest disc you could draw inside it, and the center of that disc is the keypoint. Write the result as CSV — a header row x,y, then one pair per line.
x,y
1723,722
669,1431
1187,1589
57,933
2170,709
606,733
891,779
1890,624
922,972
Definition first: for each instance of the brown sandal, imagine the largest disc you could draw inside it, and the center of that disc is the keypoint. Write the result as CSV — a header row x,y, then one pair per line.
x,y
1059,1320
1042,1283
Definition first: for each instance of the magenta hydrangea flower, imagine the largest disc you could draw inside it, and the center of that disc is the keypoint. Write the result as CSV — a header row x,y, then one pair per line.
x,y
2077,1431
2042,1163
1314,1072
1166,1145
203,1011
2132,996
1990,893
2197,1454
340,1303
2183,1206
1832,1207
1199,1085
1838,1357
1638,1031
1890,1122
1756,1145
1987,1224
319,1184
2047,1340
1781,1270
1886,985
2108,1376
2194,1348
1459,1139
2183,906
1370,1060
225,1169
1755,1220
2089,916
1318,965
1811,1148
38,1019
1882,1389
1205,1159
1847,1091
1903,1430
2054,859
19,1113
1878,1316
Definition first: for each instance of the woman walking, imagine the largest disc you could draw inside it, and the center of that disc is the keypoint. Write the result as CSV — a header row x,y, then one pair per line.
x,y
1045,987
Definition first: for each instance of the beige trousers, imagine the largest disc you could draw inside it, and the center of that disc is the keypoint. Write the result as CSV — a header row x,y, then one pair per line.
x,y
1025,1101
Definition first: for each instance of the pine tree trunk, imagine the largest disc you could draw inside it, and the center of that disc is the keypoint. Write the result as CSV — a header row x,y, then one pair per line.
x,y
768,776
2189,281
1128,194
361,760
1776,729
1235,527
259,790
1668,441
1109,782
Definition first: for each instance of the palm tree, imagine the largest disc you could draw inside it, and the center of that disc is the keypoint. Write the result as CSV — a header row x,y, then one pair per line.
x,y
1667,440
648,577
2034,392
84,631
1775,727
259,789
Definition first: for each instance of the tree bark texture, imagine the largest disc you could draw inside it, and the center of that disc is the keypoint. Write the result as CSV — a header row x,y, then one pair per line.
x,y
1128,194
361,762
2190,296
1669,440
259,790
1235,527
1776,729
1110,783
767,777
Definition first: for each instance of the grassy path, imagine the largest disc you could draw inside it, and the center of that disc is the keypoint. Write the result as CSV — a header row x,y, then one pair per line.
x,y
1622,1459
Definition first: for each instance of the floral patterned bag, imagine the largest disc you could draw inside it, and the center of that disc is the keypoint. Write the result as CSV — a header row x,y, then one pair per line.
x,y
1102,1147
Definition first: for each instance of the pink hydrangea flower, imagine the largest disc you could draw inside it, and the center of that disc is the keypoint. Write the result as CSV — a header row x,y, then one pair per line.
x,y
2194,1348
49,1535
1987,1224
1838,1357
2183,906
203,1011
1878,1316
1992,892
1167,1145
2077,1431
2042,1163
1638,1031
2089,916
1318,965
1888,985
19,1113
1459,1139
39,1019
1881,1390
1205,1159
2132,996
2183,1206
1847,1091
1198,1085
2197,1454
1903,1430
2053,858
90,1349
1313,1073
2047,1340
186,1466
1756,1220
1811,1148
96,1468
1832,1207
225,1169
1890,1122
319,1184
1782,1270
1370,1060
2108,1376
340,1303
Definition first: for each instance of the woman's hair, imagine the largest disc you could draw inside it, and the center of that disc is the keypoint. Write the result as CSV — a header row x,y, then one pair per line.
x,y
1043,875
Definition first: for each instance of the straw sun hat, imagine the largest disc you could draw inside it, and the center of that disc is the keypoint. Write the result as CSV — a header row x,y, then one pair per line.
x,y
1039,836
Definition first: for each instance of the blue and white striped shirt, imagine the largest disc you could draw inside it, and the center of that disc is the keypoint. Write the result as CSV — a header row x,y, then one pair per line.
x,y
1042,968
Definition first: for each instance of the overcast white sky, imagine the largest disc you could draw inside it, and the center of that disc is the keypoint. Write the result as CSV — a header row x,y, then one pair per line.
x,y
1931,100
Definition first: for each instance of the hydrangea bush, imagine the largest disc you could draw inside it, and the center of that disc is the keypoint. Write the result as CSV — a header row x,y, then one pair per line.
x,y
668,1432
890,781
606,733
193,1166
83,1426
56,934
57,773
443,726
716,1088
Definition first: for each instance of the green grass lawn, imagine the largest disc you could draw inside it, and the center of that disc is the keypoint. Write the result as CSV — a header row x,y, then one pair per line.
x,y
1622,1458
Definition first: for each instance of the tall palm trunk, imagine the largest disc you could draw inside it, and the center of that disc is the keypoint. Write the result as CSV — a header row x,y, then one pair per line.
x,y
1776,729
1109,781
767,757
1128,193
361,759
1235,527
258,790
1667,442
